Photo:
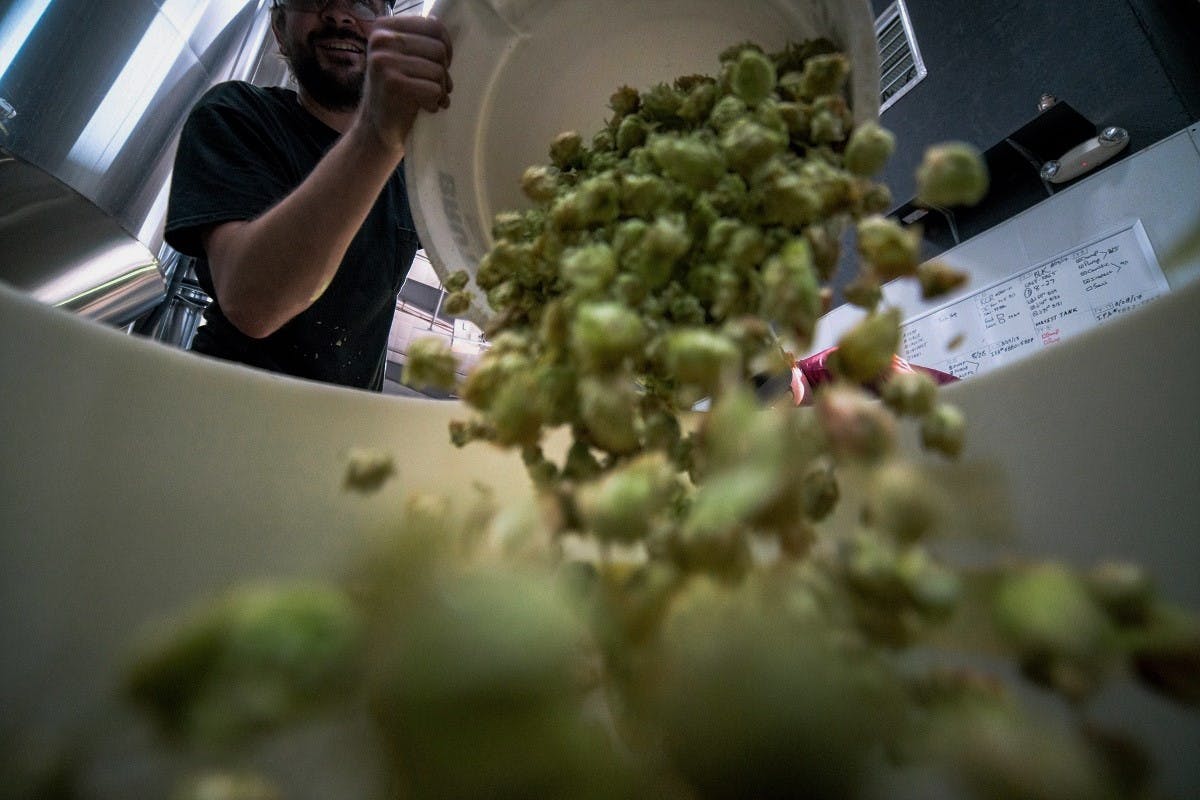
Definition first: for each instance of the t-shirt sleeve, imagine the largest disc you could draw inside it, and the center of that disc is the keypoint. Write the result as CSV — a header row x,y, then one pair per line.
x,y
227,167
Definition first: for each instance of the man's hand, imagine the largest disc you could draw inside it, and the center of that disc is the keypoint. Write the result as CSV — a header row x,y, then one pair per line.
x,y
408,70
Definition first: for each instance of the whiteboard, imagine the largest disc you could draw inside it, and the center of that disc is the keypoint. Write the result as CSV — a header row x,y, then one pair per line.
x,y
1150,196
1094,282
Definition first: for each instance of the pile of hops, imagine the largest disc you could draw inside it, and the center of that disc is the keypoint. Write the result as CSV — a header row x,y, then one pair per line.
x,y
747,602
681,254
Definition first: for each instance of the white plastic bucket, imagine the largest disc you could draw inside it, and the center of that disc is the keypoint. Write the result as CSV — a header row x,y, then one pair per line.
x,y
526,70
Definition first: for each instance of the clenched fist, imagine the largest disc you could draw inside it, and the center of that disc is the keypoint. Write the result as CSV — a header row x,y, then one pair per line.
x,y
408,70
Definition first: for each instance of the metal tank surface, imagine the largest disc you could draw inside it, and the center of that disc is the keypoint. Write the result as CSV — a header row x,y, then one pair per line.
x,y
92,99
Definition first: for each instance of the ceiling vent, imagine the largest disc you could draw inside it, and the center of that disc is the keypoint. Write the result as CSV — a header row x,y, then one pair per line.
x,y
900,64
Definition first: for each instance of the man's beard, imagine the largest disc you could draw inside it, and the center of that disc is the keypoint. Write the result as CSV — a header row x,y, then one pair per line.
x,y
327,89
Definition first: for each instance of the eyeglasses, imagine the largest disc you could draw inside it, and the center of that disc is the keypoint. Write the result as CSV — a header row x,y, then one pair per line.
x,y
365,10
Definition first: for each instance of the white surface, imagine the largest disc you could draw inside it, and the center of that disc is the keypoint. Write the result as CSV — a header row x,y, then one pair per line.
x,y
526,70
135,478
1157,185
1091,285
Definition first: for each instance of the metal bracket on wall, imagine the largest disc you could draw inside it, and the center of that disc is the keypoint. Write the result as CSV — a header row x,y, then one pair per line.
x,y
1084,158
1033,162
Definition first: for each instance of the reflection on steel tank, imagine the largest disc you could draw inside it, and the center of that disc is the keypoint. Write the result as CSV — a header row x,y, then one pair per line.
x,y
92,99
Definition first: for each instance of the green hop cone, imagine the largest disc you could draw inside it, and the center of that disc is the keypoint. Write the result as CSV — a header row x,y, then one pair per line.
x,y
867,350
1059,631
644,195
864,291
874,198
603,335
430,363
951,174
736,243
514,411
791,294
933,588
901,501
500,264
625,101
509,225
457,281
871,564
826,126
856,426
826,249
631,133
789,199
621,505
226,786
910,393
567,151
713,533
662,103
596,201
664,243
752,77
944,429
1124,590
752,705
557,394
938,278
699,103
869,149
497,647
824,75
491,372
255,659
690,160
457,303
608,411
589,269
819,490
540,183
728,110
747,145
892,250
769,114
797,118
699,357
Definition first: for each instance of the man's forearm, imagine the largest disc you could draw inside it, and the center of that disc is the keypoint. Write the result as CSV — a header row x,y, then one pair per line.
x,y
268,270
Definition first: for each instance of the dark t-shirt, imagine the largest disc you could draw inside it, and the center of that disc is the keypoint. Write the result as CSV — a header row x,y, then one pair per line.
x,y
243,149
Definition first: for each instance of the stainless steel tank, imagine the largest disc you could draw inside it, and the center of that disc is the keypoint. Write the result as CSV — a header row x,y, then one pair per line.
x,y
92,98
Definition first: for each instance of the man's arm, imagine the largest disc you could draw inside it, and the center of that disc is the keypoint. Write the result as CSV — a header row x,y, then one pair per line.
x,y
267,270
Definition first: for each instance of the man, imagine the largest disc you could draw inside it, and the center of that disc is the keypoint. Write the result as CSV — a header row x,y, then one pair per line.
x,y
294,203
